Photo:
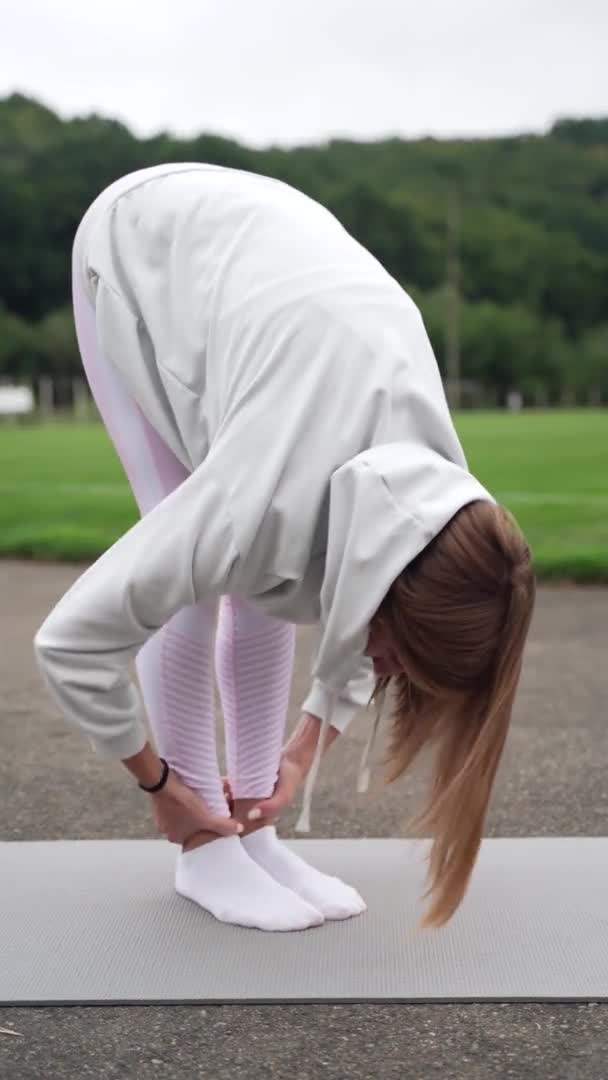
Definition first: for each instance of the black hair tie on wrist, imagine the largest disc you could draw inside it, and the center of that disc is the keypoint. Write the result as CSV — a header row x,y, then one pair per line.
x,y
161,782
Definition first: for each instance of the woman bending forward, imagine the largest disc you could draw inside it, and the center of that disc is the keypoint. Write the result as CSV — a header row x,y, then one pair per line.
x,y
274,399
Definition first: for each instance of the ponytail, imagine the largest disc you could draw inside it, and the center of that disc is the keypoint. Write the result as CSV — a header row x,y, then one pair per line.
x,y
471,593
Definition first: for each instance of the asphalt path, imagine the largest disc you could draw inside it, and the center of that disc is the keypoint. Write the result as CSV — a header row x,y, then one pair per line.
x,y
552,783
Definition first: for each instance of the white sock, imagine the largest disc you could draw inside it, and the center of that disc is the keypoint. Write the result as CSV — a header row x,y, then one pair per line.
x,y
332,897
221,877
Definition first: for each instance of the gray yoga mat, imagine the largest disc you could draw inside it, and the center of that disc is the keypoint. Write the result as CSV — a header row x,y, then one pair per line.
x,y
98,922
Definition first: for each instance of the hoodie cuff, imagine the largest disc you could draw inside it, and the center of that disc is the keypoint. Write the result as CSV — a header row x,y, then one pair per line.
x,y
125,745
318,703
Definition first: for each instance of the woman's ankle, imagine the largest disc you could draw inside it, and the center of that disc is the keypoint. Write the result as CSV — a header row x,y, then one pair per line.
x,y
198,839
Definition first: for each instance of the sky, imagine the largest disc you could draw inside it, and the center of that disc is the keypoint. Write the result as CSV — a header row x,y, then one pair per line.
x,y
302,71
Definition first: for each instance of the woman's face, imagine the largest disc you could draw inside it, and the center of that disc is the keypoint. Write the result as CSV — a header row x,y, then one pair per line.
x,y
379,648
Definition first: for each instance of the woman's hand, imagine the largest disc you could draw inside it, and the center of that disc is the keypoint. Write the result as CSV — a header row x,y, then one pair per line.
x,y
179,813
292,774
296,760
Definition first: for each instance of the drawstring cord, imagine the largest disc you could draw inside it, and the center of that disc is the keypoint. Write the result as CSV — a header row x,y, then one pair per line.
x,y
303,822
363,776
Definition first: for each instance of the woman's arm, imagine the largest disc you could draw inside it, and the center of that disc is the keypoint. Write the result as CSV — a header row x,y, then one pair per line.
x,y
145,766
301,746
178,554
352,698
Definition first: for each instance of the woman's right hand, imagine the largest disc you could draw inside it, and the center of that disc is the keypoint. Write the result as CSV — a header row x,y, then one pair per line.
x,y
179,813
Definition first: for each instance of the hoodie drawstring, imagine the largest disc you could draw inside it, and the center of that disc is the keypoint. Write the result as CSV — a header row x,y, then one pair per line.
x,y
363,776
303,822
364,773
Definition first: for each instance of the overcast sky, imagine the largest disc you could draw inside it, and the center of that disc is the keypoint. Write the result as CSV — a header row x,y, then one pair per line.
x,y
294,71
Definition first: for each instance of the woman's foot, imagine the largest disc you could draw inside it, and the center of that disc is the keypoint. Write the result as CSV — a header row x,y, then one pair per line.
x,y
332,897
222,878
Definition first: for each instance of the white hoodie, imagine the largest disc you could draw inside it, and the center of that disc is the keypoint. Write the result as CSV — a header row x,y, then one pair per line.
x,y
293,375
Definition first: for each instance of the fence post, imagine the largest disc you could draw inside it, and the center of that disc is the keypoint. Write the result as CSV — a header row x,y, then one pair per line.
x,y
80,398
46,401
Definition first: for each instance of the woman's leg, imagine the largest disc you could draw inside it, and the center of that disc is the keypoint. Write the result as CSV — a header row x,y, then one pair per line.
x,y
175,671
174,667
254,656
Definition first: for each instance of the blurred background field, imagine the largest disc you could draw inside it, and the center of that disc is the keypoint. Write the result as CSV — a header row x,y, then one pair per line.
x,y
63,493
500,238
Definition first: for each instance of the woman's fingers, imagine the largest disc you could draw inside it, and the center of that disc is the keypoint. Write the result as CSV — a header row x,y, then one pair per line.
x,y
180,831
269,808
229,797
224,826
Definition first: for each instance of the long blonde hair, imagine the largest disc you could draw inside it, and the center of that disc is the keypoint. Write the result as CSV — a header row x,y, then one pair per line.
x,y
458,617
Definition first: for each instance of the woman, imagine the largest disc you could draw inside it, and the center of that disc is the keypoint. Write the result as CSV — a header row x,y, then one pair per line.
x,y
275,402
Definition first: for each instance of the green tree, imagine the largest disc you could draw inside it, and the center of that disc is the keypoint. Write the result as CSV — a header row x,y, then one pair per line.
x,y
533,237
18,347
56,343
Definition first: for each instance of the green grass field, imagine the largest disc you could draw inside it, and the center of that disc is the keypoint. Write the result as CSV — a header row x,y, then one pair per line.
x,y
64,494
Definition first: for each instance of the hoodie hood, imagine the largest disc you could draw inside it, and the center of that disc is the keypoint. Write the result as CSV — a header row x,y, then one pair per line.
x,y
386,505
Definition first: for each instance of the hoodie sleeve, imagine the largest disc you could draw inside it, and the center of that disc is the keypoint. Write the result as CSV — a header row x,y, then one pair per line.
x,y
178,554
350,700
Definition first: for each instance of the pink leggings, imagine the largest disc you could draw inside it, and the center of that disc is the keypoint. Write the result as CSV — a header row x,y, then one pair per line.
x,y
253,652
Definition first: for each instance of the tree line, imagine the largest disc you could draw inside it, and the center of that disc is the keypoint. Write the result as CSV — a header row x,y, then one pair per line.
x,y
532,241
